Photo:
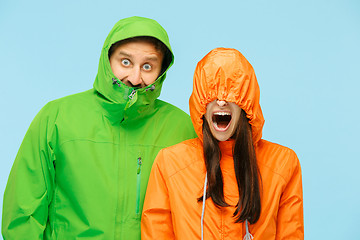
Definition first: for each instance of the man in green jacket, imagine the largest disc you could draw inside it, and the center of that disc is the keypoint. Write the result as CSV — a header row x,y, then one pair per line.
x,y
83,166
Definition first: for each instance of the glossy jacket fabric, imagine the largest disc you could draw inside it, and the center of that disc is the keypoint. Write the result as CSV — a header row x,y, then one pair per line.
x,y
171,209
82,169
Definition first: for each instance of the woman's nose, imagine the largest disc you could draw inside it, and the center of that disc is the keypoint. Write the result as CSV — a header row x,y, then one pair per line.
x,y
221,103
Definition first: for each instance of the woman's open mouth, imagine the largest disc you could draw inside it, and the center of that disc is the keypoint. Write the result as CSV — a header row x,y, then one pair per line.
x,y
221,120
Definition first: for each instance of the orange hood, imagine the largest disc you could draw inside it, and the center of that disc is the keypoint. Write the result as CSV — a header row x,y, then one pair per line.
x,y
225,74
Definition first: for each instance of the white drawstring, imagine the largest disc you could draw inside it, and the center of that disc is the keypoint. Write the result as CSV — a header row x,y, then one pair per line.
x,y
247,236
203,209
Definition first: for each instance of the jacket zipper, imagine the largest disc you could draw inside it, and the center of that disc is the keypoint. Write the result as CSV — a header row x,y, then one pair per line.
x,y
139,162
132,94
132,99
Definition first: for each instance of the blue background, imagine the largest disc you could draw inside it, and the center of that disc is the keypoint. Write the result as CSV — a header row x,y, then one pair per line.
x,y
305,54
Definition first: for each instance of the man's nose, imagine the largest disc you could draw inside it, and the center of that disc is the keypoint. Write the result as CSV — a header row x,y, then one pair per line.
x,y
134,77
221,103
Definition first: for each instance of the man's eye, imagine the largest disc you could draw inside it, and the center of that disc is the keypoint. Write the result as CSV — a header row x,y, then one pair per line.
x,y
125,62
147,67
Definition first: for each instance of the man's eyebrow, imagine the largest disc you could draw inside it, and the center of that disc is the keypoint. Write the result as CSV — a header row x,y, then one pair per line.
x,y
148,58
125,54
152,58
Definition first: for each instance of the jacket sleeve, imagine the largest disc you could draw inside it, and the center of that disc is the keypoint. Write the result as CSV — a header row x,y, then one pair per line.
x,y
156,222
290,222
28,191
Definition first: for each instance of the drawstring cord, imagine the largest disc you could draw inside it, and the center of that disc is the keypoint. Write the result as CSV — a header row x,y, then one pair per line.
x,y
247,236
203,209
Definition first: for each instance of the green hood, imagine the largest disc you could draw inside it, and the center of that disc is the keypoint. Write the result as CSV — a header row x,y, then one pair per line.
x,y
121,101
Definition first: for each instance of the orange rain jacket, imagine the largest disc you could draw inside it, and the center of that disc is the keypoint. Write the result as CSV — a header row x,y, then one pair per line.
x,y
171,209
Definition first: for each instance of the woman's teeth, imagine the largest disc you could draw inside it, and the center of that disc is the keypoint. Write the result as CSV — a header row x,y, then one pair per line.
x,y
221,120
222,113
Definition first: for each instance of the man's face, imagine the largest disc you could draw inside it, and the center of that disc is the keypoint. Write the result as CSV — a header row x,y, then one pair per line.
x,y
223,118
137,64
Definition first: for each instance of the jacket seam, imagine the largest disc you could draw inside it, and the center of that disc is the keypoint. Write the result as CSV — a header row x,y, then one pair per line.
x,y
94,141
181,169
86,140
274,172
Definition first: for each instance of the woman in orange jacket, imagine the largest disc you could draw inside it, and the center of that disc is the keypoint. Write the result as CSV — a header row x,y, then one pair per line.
x,y
228,183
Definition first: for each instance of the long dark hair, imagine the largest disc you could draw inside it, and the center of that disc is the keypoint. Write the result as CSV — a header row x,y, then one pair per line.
x,y
246,171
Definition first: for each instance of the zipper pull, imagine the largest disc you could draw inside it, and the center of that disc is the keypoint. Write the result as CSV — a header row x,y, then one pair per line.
x,y
139,162
132,99
132,94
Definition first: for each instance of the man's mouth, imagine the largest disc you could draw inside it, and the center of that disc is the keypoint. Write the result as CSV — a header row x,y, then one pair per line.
x,y
221,121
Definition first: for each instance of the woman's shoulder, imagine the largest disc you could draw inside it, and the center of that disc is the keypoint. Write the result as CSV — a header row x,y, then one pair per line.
x,y
277,158
179,157
187,145
265,146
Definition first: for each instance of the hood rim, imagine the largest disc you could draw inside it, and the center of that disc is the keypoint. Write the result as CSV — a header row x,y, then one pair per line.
x,y
203,94
124,29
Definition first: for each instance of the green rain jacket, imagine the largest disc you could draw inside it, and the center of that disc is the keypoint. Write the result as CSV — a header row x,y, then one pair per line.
x,y
83,166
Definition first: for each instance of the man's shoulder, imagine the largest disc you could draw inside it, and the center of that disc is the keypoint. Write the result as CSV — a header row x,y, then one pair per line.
x,y
55,107
169,108
73,98
173,118
72,101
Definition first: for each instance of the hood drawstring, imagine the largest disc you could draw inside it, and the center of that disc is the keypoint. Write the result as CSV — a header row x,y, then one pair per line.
x,y
203,209
152,88
115,81
247,236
